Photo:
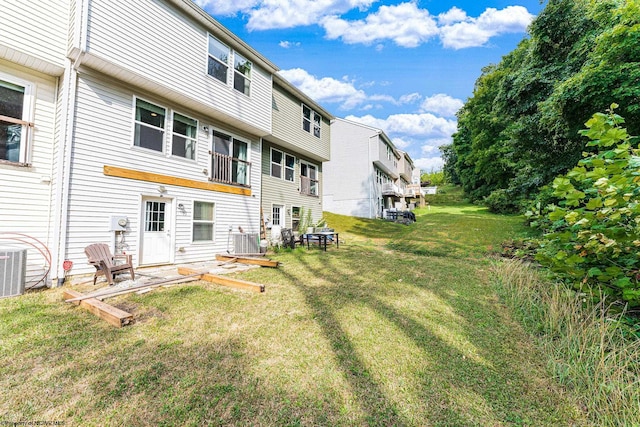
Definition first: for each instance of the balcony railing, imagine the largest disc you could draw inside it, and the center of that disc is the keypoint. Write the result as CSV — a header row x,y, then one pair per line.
x,y
389,189
230,170
308,186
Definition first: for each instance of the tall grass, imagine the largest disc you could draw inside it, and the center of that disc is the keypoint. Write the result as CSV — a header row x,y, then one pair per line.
x,y
588,350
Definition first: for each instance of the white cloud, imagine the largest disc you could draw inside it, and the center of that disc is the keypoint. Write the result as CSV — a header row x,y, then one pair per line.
x,y
415,125
432,146
410,98
401,143
325,89
405,24
429,164
452,16
474,32
292,13
441,104
287,44
343,92
227,8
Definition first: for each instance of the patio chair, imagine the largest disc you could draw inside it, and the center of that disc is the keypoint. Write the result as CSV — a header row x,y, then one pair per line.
x,y
288,239
100,257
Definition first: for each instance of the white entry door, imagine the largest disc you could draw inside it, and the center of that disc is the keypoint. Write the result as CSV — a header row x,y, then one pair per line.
x,y
156,231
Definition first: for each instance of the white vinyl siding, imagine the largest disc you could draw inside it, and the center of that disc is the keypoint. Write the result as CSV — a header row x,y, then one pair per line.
x,y
348,185
103,137
47,22
25,198
153,41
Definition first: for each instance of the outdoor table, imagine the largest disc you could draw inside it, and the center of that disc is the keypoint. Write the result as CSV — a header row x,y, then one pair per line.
x,y
322,238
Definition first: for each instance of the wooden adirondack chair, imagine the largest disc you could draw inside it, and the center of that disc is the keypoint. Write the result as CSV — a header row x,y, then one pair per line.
x,y
101,258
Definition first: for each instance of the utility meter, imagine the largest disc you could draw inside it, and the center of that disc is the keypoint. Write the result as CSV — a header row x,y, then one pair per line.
x,y
119,223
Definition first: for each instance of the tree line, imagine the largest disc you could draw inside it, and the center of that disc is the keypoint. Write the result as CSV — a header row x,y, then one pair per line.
x,y
520,129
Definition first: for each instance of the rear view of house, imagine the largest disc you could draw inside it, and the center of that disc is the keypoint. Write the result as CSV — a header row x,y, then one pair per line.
x,y
133,123
367,175
292,159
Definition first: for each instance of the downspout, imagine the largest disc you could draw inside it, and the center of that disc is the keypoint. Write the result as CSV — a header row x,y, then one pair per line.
x,y
63,176
371,173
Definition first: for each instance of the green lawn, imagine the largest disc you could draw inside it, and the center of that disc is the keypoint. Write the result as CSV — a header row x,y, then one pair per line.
x,y
399,326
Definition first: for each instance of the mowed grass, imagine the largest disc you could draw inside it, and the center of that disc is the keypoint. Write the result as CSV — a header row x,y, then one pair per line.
x,y
397,327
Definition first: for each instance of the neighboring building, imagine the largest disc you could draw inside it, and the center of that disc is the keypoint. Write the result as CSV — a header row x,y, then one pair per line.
x,y
413,195
292,158
367,175
141,124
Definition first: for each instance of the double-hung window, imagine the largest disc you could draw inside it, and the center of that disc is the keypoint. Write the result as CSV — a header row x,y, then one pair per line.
x,y
230,160
149,126
282,162
241,74
15,121
289,165
185,131
203,221
219,61
311,121
276,163
219,55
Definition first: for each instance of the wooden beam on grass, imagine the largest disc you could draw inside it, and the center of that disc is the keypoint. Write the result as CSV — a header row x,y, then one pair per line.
x,y
224,281
112,292
111,314
263,262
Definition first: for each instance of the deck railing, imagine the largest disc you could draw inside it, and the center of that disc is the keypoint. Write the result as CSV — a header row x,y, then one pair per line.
x,y
230,170
308,186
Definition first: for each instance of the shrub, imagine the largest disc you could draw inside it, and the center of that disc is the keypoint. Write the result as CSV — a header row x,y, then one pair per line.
x,y
501,201
592,234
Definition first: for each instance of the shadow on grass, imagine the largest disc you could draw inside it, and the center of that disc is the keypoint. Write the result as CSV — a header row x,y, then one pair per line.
x,y
499,385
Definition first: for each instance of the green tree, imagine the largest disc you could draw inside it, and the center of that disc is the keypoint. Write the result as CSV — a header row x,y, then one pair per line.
x,y
520,127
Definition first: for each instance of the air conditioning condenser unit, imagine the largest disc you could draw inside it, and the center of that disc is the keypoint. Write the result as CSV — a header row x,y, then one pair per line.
x,y
13,271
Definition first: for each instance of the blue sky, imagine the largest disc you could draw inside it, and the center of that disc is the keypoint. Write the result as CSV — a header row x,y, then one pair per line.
x,y
402,66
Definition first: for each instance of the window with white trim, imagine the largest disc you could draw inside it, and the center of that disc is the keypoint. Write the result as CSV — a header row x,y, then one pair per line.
x,y
289,167
277,215
218,59
311,121
282,162
203,221
241,74
149,126
185,134
276,163
15,120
